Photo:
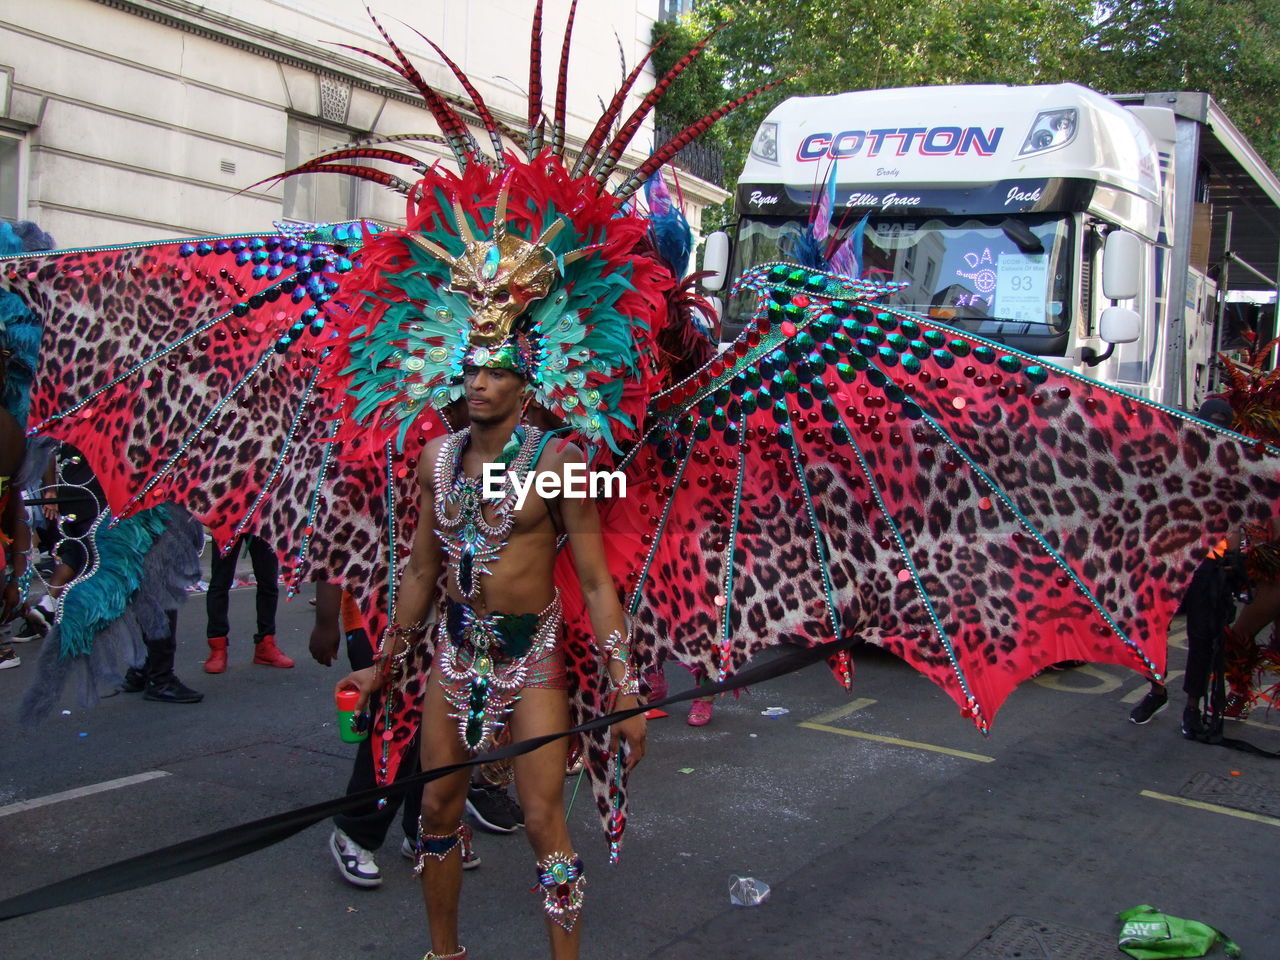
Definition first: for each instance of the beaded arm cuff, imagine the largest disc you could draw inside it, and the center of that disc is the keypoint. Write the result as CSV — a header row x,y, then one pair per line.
x,y
388,667
618,649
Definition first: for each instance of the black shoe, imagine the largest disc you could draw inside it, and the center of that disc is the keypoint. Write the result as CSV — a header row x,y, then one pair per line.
x,y
1192,723
172,690
135,681
30,631
1157,699
494,809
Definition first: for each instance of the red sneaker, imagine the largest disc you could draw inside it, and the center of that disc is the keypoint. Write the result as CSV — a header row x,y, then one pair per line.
x,y
267,654
217,661
1237,708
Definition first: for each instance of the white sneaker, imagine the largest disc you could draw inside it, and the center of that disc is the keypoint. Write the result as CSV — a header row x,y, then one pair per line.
x,y
9,659
355,863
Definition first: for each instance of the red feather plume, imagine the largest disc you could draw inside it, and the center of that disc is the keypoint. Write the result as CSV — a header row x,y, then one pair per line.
x,y
482,109
452,125
535,81
562,85
628,131
596,140
683,139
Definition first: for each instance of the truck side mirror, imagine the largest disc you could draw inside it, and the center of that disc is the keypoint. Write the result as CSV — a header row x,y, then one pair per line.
x,y
1119,325
715,258
1121,266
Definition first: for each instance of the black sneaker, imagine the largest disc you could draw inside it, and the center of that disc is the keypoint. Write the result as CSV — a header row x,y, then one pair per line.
x,y
494,809
172,690
29,631
8,659
1192,723
135,681
39,616
1157,699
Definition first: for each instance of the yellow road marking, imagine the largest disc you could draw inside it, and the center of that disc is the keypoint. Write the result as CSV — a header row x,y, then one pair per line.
x,y
897,743
1103,682
838,712
1213,808
1253,722
1133,696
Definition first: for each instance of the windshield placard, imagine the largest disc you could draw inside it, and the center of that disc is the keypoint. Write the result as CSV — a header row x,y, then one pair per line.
x,y
1021,283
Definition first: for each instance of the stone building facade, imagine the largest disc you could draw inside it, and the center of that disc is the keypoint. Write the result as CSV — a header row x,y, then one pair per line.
x,y
139,120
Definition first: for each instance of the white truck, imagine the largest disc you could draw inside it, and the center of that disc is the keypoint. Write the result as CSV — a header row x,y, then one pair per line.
x,y
1093,231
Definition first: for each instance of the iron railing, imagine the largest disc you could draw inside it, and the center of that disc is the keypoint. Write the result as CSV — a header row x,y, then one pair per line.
x,y
702,160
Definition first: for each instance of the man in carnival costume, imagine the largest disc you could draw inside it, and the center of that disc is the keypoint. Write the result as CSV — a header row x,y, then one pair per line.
x,y
498,650
845,471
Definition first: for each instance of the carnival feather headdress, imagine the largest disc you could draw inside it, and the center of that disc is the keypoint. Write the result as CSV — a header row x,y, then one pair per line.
x,y
538,264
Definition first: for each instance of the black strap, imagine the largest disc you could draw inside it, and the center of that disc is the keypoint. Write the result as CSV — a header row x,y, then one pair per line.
x,y
213,849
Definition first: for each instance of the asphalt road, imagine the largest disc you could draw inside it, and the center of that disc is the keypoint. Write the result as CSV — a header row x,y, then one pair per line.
x,y
886,826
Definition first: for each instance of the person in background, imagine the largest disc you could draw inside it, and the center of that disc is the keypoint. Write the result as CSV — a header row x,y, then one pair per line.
x,y
266,571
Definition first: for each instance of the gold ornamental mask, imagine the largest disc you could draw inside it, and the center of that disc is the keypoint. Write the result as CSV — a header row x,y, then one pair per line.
x,y
500,276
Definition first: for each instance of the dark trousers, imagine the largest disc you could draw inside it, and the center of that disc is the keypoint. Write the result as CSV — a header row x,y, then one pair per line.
x,y
368,825
158,668
1210,606
266,569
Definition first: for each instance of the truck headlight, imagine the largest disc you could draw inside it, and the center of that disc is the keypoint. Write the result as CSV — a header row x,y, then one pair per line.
x,y
765,145
1052,129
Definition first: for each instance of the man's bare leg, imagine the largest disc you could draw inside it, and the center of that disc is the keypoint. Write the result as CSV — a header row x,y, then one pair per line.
x,y
443,801
540,785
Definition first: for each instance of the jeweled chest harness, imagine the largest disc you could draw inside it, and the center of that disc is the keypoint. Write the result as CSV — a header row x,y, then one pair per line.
x,y
469,539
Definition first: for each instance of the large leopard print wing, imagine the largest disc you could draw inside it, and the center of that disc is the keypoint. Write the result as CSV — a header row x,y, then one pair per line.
x,y
189,371
848,470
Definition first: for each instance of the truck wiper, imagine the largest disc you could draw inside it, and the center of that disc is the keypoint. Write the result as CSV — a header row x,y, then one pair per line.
x,y
1021,235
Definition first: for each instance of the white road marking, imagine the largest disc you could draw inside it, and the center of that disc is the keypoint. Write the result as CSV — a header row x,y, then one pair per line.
x,y
91,789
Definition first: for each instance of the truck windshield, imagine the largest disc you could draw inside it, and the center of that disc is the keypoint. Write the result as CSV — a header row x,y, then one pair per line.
x,y
1006,278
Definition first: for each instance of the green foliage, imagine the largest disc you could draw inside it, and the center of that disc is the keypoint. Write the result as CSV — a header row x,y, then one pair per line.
x,y
1228,48
699,89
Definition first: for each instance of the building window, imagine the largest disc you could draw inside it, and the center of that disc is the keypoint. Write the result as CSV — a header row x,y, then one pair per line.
x,y
317,197
10,178
674,9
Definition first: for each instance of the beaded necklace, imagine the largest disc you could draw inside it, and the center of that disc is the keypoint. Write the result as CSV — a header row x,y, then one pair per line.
x,y
469,539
